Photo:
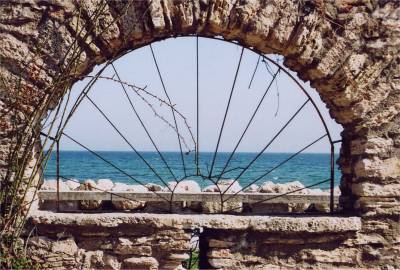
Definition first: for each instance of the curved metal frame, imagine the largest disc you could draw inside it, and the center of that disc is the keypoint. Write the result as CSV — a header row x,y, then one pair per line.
x,y
84,92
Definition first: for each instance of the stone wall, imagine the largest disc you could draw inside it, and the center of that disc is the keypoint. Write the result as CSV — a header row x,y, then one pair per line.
x,y
154,241
230,249
347,50
127,246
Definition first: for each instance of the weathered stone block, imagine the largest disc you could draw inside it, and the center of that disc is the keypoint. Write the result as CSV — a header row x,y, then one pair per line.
x,y
376,190
378,168
347,256
124,246
147,263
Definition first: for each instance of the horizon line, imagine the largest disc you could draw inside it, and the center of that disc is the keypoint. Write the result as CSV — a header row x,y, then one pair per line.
x,y
205,152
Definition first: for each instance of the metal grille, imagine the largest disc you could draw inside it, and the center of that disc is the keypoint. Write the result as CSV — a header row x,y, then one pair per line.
x,y
194,166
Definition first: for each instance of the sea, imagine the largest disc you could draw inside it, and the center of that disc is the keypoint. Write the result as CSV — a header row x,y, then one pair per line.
x,y
160,168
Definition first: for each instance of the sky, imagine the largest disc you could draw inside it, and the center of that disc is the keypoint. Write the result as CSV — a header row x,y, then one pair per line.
x,y
218,62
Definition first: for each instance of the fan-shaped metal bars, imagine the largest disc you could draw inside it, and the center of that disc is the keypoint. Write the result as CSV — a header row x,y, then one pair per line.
x,y
209,175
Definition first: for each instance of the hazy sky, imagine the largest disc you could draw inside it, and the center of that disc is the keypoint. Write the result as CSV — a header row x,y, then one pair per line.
x,y
217,67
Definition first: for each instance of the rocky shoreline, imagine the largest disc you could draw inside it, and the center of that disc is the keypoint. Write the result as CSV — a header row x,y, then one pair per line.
x,y
186,186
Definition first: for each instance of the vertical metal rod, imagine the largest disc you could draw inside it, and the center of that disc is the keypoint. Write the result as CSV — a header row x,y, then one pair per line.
x,y
226,111
58,172
197,107
142,123
172,110
254,72
332,205
247,127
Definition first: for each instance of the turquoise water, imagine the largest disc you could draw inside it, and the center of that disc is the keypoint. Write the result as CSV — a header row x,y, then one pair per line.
x,y
306,168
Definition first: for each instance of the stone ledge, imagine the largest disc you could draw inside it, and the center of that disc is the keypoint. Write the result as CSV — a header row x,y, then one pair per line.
x,y
295,224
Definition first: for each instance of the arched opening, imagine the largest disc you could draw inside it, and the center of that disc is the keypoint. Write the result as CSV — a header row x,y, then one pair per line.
x,y
215,104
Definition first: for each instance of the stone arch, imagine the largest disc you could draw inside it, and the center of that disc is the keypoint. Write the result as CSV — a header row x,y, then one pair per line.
x,y
348,50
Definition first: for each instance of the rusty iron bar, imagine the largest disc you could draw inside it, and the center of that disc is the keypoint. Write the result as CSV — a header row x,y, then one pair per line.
x,y
210,176
127,141
248,124
274,168
332,183
197,108
169,100
58,173
267,145
254,72
142,123
226,111
107,161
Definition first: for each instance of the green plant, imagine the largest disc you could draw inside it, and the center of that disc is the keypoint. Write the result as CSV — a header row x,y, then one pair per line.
x,y
13,255
193,262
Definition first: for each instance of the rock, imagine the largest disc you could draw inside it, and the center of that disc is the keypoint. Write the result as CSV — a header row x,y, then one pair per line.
x,y
147,263
170,186
154,187
371,190
73,185
185,186
211,188
174,261
230,186
267,187
164,207
52,185
372,206
40,242
252,189
229,206
111,262
93,259
99,260
88,185
128,205
92,204
120,187
105,184
179,257
215,243
220,263
66,246
298,207
223,185
376,167
322,207
348,255
54,253
270,187
124,246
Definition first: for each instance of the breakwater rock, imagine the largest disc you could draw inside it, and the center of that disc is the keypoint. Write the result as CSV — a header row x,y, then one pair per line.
x,y
227,187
